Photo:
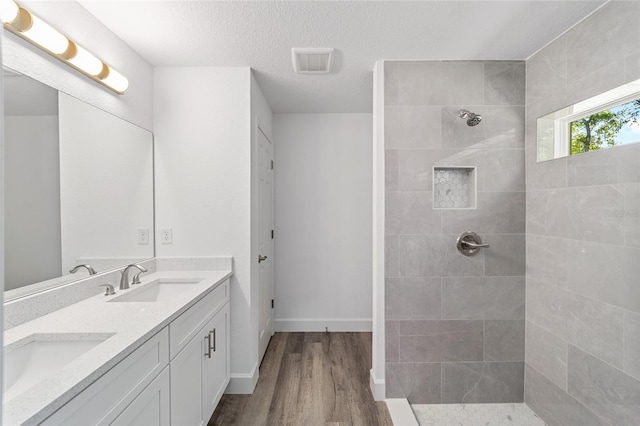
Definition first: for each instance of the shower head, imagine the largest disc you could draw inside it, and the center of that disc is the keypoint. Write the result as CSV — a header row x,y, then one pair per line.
x,y
472,119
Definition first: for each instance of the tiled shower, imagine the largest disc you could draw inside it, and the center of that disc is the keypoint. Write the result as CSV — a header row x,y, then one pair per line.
x,y
549,314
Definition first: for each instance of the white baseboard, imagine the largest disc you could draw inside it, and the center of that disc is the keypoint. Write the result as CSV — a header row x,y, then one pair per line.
x,y
243,383
401,412
377,386
332,324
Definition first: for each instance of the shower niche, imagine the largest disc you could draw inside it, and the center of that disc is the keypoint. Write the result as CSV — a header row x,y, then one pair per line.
x,y
454,187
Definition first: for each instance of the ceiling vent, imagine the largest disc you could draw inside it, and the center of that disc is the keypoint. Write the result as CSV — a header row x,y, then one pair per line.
x,y
312,60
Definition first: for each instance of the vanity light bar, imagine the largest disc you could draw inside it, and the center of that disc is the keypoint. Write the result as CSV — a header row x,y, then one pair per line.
x,y
26,25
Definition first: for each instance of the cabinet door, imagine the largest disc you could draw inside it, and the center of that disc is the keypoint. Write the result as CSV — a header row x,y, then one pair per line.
x,y
151,407
216,369
186,383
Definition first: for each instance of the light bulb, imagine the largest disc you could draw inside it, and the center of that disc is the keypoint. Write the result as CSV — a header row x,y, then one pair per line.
x,y
116,80
43,34
86,61
8,11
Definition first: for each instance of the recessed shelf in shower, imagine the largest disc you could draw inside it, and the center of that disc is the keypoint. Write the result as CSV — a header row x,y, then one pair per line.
x,y
454,187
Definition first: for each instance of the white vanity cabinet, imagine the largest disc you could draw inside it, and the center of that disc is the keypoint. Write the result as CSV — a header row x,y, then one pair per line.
x,y
120,388
200,370
176,377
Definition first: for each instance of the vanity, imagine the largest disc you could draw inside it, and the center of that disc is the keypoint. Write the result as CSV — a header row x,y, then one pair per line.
x,y
156,353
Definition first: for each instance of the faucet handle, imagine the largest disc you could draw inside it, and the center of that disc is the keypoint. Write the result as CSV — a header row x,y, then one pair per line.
x,y
136,278
109,291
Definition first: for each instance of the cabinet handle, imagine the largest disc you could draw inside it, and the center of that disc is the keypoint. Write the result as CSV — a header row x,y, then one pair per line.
x,y
208,339
214,339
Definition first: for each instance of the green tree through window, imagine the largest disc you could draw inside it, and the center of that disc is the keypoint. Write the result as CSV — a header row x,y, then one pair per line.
x,y
601,130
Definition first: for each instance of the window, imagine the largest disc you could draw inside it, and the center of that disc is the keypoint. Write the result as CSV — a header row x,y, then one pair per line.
x,y
603,121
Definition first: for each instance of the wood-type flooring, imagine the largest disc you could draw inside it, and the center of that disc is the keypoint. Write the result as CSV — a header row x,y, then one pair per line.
x,y
309,379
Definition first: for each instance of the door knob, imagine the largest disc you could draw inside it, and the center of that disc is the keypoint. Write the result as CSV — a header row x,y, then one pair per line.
x,y
261,258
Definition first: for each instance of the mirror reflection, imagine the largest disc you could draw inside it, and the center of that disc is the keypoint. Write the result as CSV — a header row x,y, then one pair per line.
x,y
79,188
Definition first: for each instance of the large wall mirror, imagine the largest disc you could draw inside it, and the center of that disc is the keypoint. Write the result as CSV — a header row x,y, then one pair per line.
x,y
78,188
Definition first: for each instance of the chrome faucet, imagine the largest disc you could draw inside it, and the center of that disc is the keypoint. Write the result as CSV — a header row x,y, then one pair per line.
x,y
124,280
87,267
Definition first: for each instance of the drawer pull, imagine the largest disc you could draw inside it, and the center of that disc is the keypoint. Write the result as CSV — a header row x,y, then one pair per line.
x,y
214,339
208,339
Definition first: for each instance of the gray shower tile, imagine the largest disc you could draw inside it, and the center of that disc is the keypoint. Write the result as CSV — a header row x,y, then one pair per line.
x,y
503,170
504,340
411,213
579,213
547,71
605,390
501,127
604,272
390,83
504,83
483,298
555,406
390,256
632,344
607,35
632,67
390,170
607,166
505,256
478,382
631,214
497,213
412,127
436,341
391,335
595,82
435,255
418,382
547,353
412,298
546,259
589,324
415,170
440,83
546,174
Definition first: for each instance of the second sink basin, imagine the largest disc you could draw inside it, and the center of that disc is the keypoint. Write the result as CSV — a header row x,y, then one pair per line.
x,y
157,290
36,357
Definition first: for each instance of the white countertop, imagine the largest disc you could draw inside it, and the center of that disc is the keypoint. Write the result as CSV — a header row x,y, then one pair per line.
x,y
131,323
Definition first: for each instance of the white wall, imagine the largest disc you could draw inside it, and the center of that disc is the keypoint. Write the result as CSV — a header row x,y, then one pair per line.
x,y
32,191
323,223
76,22
106,185
202,129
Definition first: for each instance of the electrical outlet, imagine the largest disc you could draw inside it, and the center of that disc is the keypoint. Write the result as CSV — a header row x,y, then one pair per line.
x,y
166,236
143,236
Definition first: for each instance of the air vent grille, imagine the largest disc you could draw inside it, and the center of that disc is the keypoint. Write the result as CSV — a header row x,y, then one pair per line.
x,y
312,60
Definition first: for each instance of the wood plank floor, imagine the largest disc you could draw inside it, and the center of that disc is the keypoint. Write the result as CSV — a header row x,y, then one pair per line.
x,y
309,379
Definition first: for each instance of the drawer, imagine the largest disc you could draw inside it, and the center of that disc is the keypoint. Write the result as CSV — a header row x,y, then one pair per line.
x,y
108,396
187,325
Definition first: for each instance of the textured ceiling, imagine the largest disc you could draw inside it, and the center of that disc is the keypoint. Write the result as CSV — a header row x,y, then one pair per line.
x,y
260,34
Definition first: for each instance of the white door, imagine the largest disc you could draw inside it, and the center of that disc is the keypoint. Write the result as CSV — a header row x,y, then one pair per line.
x,y
265,244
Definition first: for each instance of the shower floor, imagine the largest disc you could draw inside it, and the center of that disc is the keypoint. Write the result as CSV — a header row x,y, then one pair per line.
x,y
475,415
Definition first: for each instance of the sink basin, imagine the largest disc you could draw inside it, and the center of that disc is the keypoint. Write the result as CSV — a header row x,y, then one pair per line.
x,y
36,357
157,290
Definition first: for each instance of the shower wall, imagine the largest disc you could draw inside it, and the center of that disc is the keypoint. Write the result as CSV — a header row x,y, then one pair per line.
x,y
454,324
583,237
